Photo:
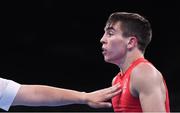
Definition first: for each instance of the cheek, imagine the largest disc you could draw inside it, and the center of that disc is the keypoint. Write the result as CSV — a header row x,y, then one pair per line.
x,y
118,49
117,45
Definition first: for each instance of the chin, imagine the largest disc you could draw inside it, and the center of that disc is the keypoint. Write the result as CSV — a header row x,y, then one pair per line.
x,y
107,60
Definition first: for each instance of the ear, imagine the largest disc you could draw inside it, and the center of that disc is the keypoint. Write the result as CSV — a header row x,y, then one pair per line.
x,y
132,42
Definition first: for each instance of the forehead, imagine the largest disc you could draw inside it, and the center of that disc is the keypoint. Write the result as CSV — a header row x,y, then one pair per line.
x,y
113,26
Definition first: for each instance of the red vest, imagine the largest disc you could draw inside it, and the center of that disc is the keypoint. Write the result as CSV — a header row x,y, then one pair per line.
x,y
125,102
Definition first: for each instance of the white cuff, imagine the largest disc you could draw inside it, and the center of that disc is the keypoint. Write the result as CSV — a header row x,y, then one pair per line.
x,y
9,94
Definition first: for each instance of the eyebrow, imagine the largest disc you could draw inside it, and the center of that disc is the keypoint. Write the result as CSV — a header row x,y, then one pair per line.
x,y
109,28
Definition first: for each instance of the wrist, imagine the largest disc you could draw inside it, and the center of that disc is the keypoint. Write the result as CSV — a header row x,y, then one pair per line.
x,y
83,97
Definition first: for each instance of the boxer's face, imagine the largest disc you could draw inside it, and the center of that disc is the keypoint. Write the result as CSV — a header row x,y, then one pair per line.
x,y
114,45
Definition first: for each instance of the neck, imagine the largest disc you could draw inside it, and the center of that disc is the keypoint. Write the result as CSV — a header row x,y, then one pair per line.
x,y
129,59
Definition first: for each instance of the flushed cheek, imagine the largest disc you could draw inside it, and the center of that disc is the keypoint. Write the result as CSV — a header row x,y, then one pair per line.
x,y
118,49
111,51
114,47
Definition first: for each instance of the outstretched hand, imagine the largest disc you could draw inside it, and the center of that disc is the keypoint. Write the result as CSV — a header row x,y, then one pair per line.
x,y
99,98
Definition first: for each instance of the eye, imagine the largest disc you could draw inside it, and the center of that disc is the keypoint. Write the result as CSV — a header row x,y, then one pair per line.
x,y
110,33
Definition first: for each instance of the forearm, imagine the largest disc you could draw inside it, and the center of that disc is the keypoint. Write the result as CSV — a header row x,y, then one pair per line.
x,y
38,95
58,96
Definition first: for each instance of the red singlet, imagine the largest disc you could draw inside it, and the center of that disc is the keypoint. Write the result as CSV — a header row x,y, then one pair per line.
x,y
125,102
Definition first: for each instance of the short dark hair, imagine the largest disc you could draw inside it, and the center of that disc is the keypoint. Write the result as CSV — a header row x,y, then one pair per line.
x,y
133,24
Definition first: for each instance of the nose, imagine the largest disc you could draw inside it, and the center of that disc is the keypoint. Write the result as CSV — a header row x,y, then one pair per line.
x,y
103,40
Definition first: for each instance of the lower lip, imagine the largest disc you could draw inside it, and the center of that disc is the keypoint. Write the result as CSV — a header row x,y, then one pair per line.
x,y
103,52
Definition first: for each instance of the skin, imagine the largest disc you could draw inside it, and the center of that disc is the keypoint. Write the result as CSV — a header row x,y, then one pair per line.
x,y
146,82
41,95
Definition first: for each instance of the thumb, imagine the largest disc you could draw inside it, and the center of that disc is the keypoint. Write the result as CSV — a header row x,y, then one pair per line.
x,y
101,105
106,104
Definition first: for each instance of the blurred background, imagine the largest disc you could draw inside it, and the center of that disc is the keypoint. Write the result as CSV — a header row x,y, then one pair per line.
x,y
56,42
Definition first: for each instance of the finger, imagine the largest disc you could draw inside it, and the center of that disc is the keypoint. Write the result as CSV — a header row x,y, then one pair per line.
x,y
112,89
101,105
115,87
110,95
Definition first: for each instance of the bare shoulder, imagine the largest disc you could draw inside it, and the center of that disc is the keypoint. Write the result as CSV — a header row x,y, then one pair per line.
x,y
145,76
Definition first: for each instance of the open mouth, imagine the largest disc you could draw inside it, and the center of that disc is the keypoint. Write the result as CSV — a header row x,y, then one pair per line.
x,y
103,51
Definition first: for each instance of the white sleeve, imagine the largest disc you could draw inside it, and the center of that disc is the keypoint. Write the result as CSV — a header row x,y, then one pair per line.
x,y
8,91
